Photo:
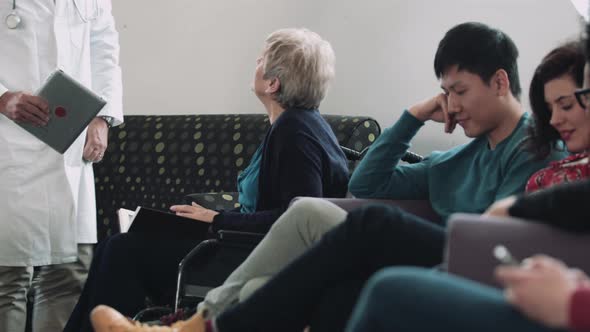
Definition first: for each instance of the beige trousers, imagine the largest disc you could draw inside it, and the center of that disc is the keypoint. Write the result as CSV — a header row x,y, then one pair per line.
x,y
300,227
56,291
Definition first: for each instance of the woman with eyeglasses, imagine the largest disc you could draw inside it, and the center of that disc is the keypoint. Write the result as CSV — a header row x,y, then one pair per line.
x,y
560,116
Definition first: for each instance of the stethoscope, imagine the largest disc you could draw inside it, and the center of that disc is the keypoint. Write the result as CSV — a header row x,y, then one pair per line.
x,y
13,20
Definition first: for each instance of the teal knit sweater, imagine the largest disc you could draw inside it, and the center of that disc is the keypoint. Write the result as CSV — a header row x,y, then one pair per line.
x,y
467,178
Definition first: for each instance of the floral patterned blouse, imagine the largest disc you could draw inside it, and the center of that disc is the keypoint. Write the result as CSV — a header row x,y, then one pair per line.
x,y
570,169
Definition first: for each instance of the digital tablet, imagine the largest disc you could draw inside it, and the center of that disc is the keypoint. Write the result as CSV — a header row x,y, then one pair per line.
x,y
71,108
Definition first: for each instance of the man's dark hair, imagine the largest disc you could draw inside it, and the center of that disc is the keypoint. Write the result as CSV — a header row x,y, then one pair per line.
x,y
586,41
480,50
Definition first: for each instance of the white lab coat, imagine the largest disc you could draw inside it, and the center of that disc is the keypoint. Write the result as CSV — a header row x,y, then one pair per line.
x,y
47,201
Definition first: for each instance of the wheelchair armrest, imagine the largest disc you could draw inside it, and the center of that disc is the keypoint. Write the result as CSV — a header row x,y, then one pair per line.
x,y
226,236
214,201
353,155
210,262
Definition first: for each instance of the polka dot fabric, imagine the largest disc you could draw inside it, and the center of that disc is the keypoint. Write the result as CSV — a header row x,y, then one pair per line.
x,y
155,161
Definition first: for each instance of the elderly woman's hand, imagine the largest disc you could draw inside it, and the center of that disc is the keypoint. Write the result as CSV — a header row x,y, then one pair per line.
x,y
541,288
194,211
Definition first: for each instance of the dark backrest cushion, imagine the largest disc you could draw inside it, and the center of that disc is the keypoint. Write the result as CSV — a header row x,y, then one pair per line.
x,y
155,161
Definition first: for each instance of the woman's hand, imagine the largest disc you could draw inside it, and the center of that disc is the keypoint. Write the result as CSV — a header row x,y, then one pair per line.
x,y
500,208
541,288
194,211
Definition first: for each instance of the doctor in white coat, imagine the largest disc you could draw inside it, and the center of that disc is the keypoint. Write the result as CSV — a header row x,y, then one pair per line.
x,y
47,202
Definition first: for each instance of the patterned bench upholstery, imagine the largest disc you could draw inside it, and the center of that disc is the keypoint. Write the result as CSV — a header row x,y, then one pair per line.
x,y
155,161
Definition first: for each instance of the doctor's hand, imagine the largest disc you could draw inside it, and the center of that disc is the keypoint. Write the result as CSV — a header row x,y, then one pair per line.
x,y
25,108
435,109
97,137
194,211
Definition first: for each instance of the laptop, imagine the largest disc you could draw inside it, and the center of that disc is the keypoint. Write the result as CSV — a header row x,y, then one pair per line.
x,y
71,108
472,240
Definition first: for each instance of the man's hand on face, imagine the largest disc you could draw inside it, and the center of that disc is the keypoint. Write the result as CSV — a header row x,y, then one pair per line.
x,y
435,109
24,108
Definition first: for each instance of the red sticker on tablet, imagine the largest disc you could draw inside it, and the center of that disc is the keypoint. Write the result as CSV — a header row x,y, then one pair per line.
x,y
60,112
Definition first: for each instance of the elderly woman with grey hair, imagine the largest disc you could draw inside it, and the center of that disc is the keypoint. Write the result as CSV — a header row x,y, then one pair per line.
x,y
300,156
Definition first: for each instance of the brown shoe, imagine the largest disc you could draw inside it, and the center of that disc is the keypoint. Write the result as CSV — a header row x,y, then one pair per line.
x,y
195,324
107,319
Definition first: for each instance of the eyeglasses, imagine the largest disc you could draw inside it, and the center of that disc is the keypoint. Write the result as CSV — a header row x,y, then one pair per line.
x,y
583,98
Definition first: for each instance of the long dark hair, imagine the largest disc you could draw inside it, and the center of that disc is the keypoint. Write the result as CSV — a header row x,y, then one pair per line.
x,y
567,59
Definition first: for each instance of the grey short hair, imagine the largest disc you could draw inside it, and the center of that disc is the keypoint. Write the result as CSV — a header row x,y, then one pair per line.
x,y
304,64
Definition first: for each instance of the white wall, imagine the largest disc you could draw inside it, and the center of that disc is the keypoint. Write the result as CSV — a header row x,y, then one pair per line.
x,y
195,56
